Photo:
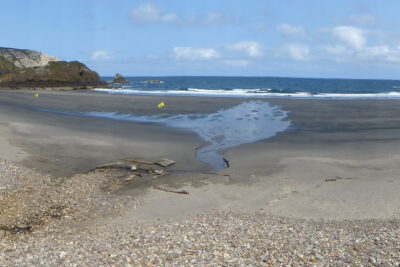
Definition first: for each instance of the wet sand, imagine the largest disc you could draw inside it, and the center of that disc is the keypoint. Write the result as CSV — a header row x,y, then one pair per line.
x,y
338,160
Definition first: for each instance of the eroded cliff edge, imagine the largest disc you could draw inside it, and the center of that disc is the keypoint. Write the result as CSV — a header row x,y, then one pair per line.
x,y
24,69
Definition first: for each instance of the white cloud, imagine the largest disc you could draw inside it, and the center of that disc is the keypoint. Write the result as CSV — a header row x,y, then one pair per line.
x,y
250,48
351,36
237,63
217,18
356,49
377,51
207,20
148,13
380,53
363,20
192,53
290,31
169,18
298,52
335,49
101,55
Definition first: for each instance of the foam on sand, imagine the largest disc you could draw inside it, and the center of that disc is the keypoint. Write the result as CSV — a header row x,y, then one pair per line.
x,y
246,123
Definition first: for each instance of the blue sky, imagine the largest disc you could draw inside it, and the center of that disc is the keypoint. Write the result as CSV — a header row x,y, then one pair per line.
x,y
291,38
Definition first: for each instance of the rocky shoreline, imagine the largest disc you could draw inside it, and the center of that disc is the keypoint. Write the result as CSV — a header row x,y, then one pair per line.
x,y
79,222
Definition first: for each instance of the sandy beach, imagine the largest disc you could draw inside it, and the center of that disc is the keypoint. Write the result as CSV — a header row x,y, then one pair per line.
x,y
328,178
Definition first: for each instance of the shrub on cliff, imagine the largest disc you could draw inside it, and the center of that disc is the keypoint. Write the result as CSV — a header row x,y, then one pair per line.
x,y
6,66
55,73
27,68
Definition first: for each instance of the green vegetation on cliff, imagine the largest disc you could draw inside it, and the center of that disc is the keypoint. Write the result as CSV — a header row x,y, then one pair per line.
x,y
6,67
53,74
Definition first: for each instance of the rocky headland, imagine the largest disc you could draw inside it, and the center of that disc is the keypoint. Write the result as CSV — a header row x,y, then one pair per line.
x,y
28,69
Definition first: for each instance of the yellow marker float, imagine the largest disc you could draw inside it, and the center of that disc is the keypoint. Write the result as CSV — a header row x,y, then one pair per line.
x,y
36,95
161,105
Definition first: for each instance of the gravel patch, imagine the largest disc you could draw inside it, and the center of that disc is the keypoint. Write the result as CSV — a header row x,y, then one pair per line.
x,y
79,235
217,238
11,177
31,200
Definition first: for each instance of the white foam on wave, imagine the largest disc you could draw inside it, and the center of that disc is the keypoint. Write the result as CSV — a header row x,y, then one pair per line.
x,y
366,95
253,93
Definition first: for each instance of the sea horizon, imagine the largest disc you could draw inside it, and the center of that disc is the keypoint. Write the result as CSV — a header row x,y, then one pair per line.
x,y
249,76
257,87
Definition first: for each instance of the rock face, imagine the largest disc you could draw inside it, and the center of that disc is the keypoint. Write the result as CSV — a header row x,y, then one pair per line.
x,y
23,58
119,79
21,68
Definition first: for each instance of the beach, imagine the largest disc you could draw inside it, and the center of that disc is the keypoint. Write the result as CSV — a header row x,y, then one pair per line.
x,y
326,187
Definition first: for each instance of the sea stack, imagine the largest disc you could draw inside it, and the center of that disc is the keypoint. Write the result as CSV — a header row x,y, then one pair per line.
x,y
118,78
23,68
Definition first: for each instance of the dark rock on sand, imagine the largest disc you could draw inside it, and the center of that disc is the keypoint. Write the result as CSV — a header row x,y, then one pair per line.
x,y
21,68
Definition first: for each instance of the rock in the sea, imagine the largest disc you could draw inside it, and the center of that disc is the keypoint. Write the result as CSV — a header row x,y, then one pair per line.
x,y
118,78
21,68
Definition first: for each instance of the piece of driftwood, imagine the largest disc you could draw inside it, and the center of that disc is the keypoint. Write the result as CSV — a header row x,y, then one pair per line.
x,y
226,162
130,178
347,178
139,161
338,178
330,180
165,162
159,172
116,165
171,190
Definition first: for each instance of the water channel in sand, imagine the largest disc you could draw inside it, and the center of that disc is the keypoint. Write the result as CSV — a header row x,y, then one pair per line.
x,y
246,123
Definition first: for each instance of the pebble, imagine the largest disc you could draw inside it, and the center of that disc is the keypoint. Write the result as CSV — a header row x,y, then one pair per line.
x,y
215,238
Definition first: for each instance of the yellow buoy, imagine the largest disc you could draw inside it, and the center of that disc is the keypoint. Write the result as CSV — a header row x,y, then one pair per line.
x,y
161,105
36,95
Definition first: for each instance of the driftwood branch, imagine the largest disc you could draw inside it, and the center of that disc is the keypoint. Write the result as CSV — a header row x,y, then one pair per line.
x,y
139,161
226,162
171,190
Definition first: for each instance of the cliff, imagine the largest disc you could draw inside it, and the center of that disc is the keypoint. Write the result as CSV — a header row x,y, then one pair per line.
x,y
21,68
23,58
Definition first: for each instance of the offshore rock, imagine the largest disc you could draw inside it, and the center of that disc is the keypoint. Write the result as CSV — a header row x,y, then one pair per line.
x,y
21,68
119,79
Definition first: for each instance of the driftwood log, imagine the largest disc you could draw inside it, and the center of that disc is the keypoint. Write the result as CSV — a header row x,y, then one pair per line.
x,y
184,192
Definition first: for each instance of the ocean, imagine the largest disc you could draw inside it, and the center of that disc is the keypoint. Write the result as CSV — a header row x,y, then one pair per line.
x,y
258,87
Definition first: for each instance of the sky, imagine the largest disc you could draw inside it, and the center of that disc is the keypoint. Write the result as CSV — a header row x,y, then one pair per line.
x,y
287,38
